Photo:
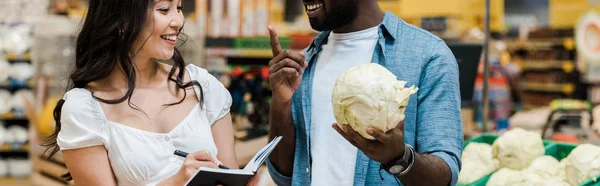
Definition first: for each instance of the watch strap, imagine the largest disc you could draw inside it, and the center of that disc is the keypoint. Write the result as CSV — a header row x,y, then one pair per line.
x,y
410,159
404,161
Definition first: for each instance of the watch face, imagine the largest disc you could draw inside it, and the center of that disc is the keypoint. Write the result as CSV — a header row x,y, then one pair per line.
x,y
396,169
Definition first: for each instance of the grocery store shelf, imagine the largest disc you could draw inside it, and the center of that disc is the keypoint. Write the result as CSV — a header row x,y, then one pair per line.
x,y
39,179
38,150
247,42
51,169
14,148
567,65
10,181
566,88
12,116
568,43
532,106
16,85
13,57
241,53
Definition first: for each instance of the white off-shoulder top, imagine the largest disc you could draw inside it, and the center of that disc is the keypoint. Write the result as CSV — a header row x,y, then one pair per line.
x,y
140,157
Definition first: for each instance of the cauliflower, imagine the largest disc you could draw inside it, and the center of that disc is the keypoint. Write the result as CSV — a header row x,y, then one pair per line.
x,y
582,164
477,162
545,167
370,96
517,148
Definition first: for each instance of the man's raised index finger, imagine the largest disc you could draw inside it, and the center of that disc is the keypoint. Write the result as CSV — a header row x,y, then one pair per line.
x,y
275,46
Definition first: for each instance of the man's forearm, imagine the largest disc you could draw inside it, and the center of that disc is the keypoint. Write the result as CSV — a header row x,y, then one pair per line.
x,y
282,124
427,170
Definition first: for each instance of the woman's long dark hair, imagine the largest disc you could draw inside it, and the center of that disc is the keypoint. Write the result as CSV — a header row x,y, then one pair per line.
x,y
106,39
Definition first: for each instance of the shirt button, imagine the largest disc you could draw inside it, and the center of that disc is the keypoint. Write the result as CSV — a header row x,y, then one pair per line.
x,y
167,138
307,171
173,159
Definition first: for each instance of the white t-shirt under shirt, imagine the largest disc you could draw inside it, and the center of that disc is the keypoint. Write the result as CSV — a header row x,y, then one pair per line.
x,y
139,157
333,157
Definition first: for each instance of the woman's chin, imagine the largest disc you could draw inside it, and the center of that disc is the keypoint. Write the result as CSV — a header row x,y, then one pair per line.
x,y
165,56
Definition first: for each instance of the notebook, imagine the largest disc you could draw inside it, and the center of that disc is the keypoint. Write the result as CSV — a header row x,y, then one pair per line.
x,y
233,177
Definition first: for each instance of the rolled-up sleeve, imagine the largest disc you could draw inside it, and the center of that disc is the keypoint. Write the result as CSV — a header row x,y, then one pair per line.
x,y
277,177
439,126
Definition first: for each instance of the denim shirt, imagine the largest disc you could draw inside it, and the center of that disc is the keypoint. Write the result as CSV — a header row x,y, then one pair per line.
x,y
432,124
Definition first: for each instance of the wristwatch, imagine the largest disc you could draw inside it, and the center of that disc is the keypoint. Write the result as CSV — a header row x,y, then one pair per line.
x,y
401,166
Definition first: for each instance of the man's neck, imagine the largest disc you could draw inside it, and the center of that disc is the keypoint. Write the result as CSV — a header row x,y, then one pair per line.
x,y
369,15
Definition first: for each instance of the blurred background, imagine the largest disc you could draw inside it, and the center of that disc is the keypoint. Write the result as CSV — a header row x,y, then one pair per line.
x,y
543,56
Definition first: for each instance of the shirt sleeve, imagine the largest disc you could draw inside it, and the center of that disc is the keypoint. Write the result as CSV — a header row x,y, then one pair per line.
x,y
82,122
439,126
277,177
217,99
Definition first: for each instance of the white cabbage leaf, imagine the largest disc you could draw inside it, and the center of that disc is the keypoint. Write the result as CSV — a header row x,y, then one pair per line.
x,y
369,95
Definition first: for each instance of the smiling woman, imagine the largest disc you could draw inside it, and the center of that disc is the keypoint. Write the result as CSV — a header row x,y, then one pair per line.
x,y
125,106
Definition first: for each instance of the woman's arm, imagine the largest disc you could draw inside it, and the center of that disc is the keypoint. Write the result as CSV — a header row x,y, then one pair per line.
x,y
89,166
222,131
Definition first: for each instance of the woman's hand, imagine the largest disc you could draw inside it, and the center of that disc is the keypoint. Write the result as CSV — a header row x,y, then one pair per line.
x,y
192,163
254,180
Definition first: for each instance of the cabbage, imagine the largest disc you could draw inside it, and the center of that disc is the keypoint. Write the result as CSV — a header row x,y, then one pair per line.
x,y
562,169
545,167
477,162
517,148
471,172
369,95
507,176
479,153
582,164
555,182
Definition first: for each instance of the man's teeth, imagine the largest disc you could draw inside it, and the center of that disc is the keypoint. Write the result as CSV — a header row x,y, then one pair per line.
x,y
172,38
314,7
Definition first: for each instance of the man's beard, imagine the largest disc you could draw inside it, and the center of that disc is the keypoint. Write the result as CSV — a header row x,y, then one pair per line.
x,y
340,14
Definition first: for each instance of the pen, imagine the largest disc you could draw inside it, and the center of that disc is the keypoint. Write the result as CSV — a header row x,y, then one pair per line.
x,y
184,154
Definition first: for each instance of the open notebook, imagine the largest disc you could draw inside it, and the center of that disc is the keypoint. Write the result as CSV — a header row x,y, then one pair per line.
x,y
233,177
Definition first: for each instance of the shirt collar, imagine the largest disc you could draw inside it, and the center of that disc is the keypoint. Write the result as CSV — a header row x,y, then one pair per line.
x,y
389,26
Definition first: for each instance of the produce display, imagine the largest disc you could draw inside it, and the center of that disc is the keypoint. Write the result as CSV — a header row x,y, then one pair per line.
x,y
477,162
520,157
544,170
369,95
545,167
517,148
582,164
506,176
